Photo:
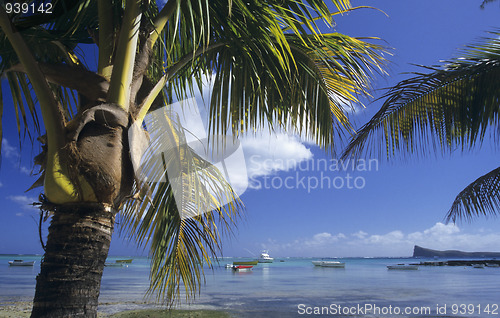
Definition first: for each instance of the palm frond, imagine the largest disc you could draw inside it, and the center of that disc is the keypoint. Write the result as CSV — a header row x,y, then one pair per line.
x,y
52,40
50,108
270,62
251,87
449,108
485,2
185,207
203,22
23,99
268,74
480,198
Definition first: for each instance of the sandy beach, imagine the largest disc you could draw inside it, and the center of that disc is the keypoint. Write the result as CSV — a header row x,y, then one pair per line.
x,y
128,310
15,309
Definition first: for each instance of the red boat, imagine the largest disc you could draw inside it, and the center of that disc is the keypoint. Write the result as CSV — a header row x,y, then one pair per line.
x,y
242,268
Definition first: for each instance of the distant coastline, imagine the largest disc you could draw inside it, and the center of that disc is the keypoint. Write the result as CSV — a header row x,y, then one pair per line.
x,y
419,251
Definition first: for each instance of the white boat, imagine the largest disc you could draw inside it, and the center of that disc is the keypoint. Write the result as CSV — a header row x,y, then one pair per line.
x,y
229,265
115,265
403,267
478,265
492,265
333,264
265,258
20,262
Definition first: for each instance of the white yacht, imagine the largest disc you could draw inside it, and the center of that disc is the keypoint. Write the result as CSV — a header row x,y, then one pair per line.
x,y
333,264
403,267
20,262
265,258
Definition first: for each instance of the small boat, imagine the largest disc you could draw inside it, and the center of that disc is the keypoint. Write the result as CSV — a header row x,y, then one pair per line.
x,y
20,262
242,268
115,265
333,264
403,267
265,258
229,265
246,262
126,261
492,265
477,265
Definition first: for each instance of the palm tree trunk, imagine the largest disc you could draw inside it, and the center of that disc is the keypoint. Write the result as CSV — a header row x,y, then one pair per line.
x,y
77,246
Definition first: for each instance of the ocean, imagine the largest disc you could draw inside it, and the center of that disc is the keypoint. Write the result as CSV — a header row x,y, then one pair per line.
x,y
293,287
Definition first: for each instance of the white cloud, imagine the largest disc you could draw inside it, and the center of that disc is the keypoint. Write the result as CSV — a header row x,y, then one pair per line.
x,y
265,153
385,239
25,170
8,150
24,201
394,243
268,154
348,106
13,154
360,234
442,229
322,239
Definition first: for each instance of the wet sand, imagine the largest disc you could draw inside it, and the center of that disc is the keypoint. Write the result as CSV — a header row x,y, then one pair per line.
x,y
125,310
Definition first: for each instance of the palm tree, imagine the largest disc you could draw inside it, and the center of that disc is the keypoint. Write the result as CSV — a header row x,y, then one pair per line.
x,y
270,64
452,107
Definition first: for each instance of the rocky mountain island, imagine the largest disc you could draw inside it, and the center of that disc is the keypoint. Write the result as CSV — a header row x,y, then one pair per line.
x,y
429,253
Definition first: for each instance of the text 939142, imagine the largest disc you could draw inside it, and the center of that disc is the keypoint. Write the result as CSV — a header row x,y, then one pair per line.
x,y
28,8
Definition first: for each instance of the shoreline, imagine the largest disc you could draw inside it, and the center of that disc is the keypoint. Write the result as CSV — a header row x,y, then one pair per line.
x,y
133,309
276,290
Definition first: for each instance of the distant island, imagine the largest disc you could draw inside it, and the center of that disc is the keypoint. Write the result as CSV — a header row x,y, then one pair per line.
x,y
426,252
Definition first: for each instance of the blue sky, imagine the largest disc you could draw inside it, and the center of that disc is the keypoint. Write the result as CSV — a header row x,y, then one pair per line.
x,y
401,203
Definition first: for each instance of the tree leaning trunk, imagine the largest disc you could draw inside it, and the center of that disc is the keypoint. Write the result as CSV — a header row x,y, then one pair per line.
x,y
80,233
77,246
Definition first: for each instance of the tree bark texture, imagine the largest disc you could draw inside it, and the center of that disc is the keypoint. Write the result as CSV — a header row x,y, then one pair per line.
x,y
77,246
80,233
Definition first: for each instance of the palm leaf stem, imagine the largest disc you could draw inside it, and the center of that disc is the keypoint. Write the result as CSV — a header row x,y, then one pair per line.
x,y
121,78
106,40
85,82
155,91
162,19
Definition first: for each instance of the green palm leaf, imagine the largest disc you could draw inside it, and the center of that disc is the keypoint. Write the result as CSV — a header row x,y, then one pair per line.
x,y
261,74
52,39
310,97
480,198
270,66
450,108
185,208
269,62
254,75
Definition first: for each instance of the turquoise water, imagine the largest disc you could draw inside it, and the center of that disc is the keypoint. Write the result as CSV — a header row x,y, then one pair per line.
x,y
296,288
